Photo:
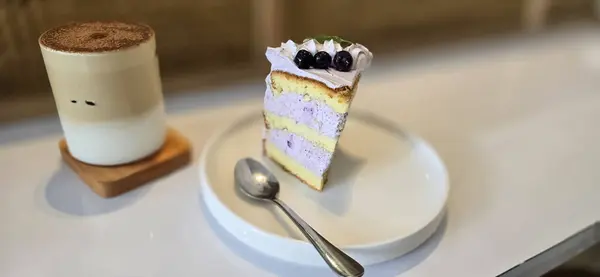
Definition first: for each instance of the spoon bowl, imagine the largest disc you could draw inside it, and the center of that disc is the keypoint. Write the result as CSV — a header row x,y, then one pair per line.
x,y
255,180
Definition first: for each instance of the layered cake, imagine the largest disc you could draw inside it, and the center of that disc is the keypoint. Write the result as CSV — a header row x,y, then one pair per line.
x,y
308,94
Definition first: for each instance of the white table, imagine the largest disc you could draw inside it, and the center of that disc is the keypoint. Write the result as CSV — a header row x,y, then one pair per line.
x,y
517,123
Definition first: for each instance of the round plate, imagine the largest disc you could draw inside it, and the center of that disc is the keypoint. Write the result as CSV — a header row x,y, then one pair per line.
x,y
386,193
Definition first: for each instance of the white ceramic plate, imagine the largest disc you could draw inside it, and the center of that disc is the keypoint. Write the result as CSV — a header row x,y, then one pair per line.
x,y
386,193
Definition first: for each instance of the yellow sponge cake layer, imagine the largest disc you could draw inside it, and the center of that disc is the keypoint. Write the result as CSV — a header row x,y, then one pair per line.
x,y
277,122
294,167
338,99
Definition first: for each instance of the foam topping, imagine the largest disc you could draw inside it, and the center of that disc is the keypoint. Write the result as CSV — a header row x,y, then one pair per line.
x,y
96,36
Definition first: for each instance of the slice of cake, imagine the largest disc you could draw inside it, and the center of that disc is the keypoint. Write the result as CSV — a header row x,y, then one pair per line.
x,y
309,91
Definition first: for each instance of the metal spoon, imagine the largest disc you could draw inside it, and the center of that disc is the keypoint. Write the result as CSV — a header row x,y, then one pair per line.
x,y
257,182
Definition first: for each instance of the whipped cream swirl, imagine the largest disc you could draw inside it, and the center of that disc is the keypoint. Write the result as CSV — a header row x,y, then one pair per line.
x,y
282,58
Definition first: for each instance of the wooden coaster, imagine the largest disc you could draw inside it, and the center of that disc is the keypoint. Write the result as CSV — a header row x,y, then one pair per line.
x,y
111,181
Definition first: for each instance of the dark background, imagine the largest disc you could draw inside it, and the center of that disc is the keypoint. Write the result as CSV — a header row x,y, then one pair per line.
x,y
212,42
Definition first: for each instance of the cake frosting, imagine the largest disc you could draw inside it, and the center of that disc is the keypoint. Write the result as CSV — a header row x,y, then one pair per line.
x,y
315,114
282,58
307,102
305,152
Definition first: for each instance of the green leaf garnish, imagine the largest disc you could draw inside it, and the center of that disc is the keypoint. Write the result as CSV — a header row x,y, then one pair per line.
x,y
322,38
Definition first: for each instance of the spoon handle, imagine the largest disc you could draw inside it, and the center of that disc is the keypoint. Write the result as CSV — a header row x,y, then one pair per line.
x,y
337,260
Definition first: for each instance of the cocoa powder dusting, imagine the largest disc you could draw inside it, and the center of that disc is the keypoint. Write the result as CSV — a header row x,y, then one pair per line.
x,y
99,36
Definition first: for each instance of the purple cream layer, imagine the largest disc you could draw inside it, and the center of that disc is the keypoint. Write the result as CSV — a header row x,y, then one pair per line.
x,y
309,155
315,114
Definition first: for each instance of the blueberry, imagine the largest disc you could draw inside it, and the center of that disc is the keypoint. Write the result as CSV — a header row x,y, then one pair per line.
x,y
342,61
304,59
322,60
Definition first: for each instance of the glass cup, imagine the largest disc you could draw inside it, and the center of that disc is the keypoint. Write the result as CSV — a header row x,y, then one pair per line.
x,y
106,85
